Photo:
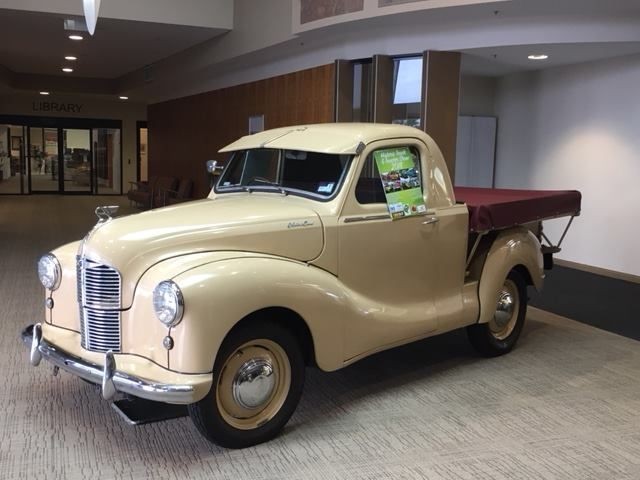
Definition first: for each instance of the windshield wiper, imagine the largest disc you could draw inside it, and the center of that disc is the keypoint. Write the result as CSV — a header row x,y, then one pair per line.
x,y
265,181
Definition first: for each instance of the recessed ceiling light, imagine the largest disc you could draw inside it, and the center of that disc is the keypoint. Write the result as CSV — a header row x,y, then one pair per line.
x,y
541,56
67,70
122,97
76,37
71,58
44,93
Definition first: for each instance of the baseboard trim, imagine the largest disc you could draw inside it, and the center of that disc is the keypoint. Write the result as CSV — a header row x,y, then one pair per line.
x,y
627,277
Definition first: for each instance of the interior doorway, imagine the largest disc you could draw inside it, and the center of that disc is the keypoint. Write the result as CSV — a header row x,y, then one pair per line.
x,y
60,155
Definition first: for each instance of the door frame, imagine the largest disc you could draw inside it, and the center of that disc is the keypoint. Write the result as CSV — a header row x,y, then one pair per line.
x,y
141,124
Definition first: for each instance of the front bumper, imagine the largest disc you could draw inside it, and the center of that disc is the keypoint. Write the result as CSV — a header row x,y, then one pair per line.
x,y
113,380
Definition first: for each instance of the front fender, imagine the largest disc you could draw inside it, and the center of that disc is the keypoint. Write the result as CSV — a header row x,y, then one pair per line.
x,y
511,248
220,294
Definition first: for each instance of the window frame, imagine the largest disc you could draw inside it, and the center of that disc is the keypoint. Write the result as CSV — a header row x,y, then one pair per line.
x,y
419,162
220,190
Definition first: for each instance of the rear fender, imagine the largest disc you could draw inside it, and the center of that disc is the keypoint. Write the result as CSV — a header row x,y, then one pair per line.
x,y
513,248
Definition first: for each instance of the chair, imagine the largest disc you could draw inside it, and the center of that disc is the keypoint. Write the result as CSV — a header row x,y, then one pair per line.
x,y
163,184
141,192
181,194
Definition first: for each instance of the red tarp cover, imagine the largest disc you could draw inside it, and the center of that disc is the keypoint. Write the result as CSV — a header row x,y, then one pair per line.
x,y
492,208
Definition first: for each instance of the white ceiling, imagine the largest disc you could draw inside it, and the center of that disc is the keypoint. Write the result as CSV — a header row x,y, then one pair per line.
x,y
495,39
505,60
36,43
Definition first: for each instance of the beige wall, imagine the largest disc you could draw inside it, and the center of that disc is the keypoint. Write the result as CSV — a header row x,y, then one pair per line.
x,y
86,107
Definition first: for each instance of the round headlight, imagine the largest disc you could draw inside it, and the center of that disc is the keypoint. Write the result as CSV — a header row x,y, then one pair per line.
x,y
49,271
168,303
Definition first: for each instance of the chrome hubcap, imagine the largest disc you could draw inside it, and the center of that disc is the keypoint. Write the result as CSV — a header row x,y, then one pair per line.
x,y
254,383
506,314
504,310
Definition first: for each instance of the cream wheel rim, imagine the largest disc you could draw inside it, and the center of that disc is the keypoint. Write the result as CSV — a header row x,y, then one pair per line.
x,y
506,315
253,384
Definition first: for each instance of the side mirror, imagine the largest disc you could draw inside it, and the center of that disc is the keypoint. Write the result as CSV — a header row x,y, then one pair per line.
x,y
213,168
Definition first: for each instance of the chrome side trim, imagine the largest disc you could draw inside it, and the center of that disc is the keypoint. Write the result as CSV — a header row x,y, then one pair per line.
x,y
367,218
108,376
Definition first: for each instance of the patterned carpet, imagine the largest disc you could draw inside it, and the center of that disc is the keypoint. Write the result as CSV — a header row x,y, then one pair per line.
x,y
565,404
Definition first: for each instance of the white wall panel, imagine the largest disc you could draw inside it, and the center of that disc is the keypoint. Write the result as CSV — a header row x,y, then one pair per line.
x,y
579,128
475,151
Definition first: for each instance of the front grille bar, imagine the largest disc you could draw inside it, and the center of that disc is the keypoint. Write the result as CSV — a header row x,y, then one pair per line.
x,y
99,301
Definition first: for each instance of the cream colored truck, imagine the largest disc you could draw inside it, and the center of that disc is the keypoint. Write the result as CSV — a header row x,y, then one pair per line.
x,y
313,248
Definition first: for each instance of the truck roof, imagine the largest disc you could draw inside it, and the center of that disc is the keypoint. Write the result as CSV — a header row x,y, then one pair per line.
x,y
336,138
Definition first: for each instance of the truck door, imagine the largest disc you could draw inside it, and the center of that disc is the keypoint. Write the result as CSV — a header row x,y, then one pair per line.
x,y
389,265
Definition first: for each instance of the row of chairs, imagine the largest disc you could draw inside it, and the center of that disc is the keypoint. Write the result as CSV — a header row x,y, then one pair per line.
x,y
160,191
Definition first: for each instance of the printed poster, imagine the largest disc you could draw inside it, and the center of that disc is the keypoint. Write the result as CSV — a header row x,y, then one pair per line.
x,y
401,182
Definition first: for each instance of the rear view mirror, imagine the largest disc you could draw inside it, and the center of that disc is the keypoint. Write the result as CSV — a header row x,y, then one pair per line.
x,y
213,168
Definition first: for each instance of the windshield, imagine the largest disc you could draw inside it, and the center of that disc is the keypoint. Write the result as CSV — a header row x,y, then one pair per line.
x,y
288,171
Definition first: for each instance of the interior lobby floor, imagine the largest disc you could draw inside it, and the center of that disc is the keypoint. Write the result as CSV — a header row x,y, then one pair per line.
x,y
565,404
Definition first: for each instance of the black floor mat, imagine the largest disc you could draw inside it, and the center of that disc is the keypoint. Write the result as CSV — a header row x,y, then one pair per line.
x,y
137,411
604,302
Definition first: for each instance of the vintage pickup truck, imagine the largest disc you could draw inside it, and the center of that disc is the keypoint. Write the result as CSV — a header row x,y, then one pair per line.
x,y
318,245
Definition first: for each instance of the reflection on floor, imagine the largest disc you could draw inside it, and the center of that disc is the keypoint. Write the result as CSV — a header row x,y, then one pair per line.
x,y
11,185
45,183
565,404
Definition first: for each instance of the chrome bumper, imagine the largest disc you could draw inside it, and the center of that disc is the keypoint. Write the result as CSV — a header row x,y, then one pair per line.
x,y
111,380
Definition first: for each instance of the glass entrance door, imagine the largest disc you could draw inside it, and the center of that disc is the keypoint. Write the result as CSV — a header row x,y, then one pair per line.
x,y
60,155
76,160
42,159
12,160
60,160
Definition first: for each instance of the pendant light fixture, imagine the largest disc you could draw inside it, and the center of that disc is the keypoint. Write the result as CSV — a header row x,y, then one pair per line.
x,y
91,8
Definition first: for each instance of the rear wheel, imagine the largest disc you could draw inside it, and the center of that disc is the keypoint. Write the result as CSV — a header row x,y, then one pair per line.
x,y
257,382
501,333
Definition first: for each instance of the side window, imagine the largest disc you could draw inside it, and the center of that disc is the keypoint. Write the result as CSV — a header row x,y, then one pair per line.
x,y
371,186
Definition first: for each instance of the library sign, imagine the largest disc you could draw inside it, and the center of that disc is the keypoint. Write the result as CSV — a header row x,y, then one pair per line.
x,y
56,107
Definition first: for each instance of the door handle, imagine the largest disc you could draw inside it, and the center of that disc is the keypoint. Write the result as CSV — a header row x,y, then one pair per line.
x,y
431,220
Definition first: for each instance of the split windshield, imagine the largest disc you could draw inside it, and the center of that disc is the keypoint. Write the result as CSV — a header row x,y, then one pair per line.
x,y
287,171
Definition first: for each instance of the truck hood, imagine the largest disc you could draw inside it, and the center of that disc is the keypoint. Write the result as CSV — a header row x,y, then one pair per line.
x,y
261,223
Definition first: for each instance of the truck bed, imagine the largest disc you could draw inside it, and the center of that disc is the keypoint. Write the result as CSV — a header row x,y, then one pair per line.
x,y
494,209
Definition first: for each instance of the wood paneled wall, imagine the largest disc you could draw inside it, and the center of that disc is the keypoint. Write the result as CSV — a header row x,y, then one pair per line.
x,y
440,102
186,132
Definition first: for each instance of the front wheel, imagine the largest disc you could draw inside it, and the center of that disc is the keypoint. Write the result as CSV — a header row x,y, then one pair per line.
x,y
257,382
501,333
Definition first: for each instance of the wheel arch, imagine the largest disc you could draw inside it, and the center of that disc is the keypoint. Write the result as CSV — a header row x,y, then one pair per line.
x,y
513,249
286,318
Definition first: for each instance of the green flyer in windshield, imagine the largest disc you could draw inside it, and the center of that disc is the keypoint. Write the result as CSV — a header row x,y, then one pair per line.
x,y
401,181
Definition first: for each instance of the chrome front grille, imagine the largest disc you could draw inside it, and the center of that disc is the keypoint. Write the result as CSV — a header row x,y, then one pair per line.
x,y
99,291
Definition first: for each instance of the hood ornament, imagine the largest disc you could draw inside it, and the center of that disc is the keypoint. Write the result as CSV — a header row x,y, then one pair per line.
x,y
106,212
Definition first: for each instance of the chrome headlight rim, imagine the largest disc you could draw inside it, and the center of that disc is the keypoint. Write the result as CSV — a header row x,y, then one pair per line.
x,y
54,264
172,288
